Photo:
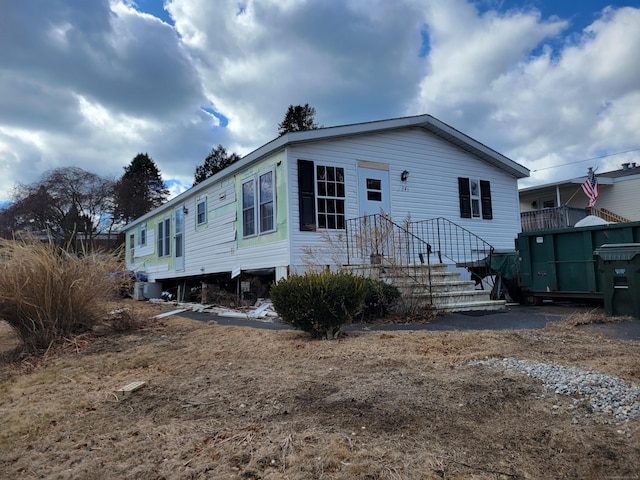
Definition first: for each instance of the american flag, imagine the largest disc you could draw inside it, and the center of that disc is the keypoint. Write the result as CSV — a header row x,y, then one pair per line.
x,y
590,188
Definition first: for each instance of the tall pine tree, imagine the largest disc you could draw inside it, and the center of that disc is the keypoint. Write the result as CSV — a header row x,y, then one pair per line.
x,y
297,118
140,189
217,160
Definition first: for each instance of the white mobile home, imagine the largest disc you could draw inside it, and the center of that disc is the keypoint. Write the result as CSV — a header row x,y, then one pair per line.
x,y
268,211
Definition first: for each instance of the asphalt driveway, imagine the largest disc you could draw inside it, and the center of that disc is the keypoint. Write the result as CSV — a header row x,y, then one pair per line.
x,y
514,317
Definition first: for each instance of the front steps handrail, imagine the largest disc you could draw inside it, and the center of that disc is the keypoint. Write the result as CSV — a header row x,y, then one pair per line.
x,y
379,247
376,238
454,242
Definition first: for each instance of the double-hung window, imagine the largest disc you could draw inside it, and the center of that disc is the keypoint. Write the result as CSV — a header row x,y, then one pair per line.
x,y
321,196
249,208
475,198
266,217
164,237
201,212
330,197
142,235
258,204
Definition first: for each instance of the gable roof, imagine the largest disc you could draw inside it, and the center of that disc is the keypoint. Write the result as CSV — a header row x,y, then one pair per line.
x,y
426,122
629,171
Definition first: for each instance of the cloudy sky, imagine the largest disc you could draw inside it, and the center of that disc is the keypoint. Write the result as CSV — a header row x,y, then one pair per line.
x,y
92,83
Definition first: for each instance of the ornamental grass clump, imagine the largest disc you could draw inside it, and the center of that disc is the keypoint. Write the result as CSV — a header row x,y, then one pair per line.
x,y
48,293
319,303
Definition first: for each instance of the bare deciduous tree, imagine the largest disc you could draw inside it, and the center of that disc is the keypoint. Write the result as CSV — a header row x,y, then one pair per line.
x,y
67,204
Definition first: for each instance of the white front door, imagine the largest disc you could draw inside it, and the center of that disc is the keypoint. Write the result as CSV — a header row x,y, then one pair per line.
x,y
179,239
373,190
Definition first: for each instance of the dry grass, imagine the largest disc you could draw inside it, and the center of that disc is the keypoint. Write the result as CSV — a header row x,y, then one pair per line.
x,y
240,403
48,294
593,317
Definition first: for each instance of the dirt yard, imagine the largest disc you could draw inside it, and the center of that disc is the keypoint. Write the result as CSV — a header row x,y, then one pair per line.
x,y
241,403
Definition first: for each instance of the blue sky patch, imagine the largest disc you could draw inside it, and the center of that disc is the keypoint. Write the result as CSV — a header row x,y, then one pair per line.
x,y
155,8
424,42
224,121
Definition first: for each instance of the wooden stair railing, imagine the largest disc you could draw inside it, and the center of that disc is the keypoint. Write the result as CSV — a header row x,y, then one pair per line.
x,y
607,215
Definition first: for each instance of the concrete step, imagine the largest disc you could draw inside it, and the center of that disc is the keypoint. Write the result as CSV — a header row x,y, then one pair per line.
x,y
488,305
448,292
458,301
445,299
375,271
416,269
453,285
399,279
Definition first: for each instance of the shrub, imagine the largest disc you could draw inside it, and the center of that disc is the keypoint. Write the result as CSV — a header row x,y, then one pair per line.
x,y
319,303
379,298
48,293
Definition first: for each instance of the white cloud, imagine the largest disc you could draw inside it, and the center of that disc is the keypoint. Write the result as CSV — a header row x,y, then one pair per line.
x,y
95,83
353,61
538,105
92,84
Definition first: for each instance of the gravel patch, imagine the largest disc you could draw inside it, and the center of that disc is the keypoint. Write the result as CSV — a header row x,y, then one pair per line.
x,y
606,394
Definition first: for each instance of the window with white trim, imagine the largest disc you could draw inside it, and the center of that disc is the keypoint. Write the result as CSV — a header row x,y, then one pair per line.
x,y
330,197
475,198
164,237
248,208
142,235
258,204
266,217
201,212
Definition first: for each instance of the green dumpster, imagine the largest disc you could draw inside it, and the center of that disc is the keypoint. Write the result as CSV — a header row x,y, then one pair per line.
x,y
619,267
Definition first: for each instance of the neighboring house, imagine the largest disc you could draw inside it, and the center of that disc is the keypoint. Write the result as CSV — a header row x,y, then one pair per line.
x,y
266,212
562,204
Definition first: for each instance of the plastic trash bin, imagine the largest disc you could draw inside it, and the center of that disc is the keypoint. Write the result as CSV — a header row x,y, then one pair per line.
x,y
619,267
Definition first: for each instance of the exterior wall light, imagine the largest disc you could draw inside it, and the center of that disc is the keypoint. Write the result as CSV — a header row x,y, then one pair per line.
x,y
404,175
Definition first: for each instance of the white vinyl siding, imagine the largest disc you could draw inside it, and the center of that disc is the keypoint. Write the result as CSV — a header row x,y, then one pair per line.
x,y
430,191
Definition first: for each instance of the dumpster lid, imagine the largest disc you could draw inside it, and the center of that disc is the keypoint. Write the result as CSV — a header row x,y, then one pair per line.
x,y
618,251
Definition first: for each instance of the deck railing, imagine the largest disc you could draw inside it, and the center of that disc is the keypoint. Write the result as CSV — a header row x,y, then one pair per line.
x,y
551,218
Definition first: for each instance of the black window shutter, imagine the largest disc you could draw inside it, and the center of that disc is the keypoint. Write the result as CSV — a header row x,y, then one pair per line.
x,y
465,197
485,195
306,196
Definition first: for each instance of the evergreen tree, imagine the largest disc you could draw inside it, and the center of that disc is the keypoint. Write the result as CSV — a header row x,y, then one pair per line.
x,y
217,160
140,189
298,118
